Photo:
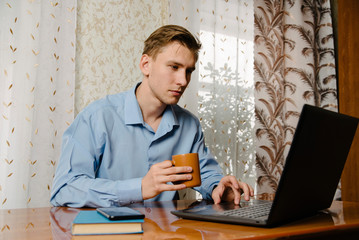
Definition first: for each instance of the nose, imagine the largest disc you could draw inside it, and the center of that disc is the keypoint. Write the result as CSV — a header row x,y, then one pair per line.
x,y
183,79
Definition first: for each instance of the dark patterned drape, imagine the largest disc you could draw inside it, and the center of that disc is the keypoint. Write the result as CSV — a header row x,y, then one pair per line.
x,y
294,64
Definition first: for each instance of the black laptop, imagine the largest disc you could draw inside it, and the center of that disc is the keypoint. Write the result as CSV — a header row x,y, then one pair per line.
x,y
310,177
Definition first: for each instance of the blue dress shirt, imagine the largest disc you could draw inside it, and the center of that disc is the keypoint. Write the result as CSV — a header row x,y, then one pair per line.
x,y
108,149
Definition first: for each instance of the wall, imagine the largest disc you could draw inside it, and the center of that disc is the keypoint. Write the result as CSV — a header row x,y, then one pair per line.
x,y
348,78
109,44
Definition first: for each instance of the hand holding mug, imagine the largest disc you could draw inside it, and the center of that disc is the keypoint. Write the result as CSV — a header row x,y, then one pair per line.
x,y
188,159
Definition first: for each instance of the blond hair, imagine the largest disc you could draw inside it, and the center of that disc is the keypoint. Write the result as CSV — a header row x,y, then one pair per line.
x,y
168,34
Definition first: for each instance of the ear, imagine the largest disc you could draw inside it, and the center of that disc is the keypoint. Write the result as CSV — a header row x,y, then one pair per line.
x,y
145,64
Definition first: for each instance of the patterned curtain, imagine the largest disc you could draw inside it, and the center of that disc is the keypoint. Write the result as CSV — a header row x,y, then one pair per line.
x,y
37,73
260,62
294,64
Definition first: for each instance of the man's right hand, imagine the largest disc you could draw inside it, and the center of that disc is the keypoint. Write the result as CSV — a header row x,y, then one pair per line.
x,y
158,177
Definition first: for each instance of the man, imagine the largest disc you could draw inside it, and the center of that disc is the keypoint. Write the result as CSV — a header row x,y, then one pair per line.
x,y
117,150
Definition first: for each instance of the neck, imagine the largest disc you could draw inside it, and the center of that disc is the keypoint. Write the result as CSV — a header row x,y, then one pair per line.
x,y
152,109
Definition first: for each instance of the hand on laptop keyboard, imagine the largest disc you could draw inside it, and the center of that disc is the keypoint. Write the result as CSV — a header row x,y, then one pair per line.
x,y
230,189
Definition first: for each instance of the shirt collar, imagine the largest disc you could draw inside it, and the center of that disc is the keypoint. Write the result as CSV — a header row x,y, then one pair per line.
x,y
133,114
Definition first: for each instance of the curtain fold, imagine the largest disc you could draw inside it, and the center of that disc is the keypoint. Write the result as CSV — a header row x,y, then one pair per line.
x,y
294,65
37,74
221,91
260,62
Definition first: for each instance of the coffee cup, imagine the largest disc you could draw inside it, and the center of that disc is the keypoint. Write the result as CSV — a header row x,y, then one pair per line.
x,y
191,160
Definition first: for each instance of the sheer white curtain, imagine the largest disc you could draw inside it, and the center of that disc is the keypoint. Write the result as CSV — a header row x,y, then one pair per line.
x,y
221,91
37,73
260,62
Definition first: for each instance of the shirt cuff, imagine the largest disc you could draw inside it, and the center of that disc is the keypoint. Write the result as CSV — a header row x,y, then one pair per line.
x,y
129,191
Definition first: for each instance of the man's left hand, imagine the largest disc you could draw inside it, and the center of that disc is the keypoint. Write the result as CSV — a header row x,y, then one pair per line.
x,y
230,189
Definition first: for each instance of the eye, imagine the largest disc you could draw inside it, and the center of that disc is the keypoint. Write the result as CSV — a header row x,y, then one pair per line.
x,y
174,67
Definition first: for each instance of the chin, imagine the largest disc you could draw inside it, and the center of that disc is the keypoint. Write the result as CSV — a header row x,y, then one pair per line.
x,y
171,101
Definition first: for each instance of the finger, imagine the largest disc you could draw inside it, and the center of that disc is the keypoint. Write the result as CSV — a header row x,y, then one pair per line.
x,y
231,181
166,168
216,199
251,191
243,187
176,170
234,183
220,191
174,174
159,168
237,195
170,187
217,195
164,164
176,178
247,191
164,186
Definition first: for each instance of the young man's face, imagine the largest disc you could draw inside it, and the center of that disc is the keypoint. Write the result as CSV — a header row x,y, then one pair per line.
x,y
170,73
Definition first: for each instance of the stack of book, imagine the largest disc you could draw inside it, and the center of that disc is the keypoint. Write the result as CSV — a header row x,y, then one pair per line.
x,y
89,222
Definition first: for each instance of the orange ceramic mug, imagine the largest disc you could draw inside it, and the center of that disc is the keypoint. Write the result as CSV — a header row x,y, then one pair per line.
x,y
188,159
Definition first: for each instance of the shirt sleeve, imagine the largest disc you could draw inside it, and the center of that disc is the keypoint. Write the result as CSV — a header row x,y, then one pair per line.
x,y
75,183
211,172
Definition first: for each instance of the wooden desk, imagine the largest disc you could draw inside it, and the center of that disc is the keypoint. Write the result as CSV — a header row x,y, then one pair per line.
x,y
55,223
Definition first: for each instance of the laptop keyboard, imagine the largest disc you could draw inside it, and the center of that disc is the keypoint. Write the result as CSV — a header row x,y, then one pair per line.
x,y
251,211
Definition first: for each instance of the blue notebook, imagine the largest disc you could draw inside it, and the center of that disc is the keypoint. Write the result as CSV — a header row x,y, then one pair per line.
x,y
93,223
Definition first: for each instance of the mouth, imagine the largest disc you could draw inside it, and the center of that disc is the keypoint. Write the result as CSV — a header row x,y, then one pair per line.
x,y
176,92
